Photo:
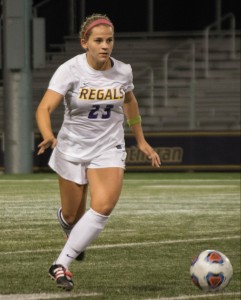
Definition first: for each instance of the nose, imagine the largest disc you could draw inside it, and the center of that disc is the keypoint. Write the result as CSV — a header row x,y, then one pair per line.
x,y
105,45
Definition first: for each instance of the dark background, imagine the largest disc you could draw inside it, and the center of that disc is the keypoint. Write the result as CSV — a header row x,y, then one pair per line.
x,y
201,151
132,15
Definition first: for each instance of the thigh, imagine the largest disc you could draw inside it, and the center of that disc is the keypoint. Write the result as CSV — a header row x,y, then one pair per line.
x,y
105,187
73,199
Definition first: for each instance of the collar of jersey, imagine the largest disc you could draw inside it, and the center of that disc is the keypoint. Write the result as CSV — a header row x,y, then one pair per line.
x,y
97,72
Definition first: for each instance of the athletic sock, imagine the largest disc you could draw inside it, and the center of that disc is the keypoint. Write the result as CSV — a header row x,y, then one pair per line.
x,y
85,231
65,226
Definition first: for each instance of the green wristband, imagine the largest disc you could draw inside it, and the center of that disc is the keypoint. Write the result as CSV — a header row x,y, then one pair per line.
x,y
134,121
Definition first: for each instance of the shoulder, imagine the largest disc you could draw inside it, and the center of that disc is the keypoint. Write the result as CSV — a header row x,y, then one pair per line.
x,y
121,66
69,70
123,72
72,62
66,75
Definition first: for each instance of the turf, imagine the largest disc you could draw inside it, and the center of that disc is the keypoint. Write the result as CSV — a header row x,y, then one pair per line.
x,y
161,222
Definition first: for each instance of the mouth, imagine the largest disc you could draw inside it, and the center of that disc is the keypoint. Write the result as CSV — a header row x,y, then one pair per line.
x,y
104,54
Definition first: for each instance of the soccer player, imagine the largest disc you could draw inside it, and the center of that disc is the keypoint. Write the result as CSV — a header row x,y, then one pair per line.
x,y
89,150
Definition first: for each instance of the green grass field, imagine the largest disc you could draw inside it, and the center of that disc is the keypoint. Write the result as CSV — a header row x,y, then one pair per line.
x,y
161,222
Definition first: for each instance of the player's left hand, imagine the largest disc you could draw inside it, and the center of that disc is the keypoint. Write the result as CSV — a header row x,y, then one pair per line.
x,y
151,154
50,142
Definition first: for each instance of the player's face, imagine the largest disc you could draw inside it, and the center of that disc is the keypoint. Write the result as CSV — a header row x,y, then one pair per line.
x,y
99,47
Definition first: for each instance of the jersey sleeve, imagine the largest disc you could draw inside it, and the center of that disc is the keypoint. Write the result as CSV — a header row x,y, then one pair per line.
x,y
129,84
61,80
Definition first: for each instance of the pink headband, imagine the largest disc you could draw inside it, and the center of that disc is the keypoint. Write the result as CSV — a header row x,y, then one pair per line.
x,y
98,22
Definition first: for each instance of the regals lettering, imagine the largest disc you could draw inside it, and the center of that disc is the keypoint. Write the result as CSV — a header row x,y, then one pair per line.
x,y
101,94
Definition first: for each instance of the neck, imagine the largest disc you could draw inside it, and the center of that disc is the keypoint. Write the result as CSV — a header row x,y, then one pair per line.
x,y
99,66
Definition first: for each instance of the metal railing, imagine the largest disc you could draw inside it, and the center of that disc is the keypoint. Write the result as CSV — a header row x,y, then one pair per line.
x,y
207,30
72,17
192,50
36,6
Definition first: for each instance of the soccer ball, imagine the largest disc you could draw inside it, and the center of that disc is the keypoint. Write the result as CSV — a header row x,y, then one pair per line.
x,y
211,271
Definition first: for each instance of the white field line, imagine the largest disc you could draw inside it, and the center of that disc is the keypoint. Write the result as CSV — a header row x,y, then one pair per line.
x,y
131,180
204,296
124,245
189,186
43,296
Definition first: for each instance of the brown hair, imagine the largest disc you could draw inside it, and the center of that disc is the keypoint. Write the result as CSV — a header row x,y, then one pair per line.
x,y
88,22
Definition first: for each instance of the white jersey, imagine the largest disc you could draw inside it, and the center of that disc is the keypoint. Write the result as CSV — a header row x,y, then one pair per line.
x,y
93,118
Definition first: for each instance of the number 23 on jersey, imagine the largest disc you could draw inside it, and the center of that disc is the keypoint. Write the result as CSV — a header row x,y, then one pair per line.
x,y
95,112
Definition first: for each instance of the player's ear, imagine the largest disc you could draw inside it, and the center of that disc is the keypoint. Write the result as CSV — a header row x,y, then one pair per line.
x,y
83,43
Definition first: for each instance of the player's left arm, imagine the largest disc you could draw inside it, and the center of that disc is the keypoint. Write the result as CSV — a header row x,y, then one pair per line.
x,y
131,111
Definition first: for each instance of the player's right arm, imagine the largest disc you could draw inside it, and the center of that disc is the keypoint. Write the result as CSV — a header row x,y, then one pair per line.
x,y
48,104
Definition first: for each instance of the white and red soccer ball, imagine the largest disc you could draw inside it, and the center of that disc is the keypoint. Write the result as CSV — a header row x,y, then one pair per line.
x,y
211,271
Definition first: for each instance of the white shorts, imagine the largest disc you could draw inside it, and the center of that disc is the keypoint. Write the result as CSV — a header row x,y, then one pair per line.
x,y
76,172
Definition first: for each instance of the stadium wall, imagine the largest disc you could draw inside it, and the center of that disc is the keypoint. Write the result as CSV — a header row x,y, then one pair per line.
x,y
189,151
179,151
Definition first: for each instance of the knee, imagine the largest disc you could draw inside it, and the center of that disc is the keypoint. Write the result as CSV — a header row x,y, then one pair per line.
x,y
70,218
104,210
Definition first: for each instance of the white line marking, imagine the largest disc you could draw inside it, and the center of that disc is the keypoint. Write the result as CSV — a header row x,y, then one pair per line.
x,y
43,296
162,242
29,180
189,186
123,245
182,180
126,179
205,296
